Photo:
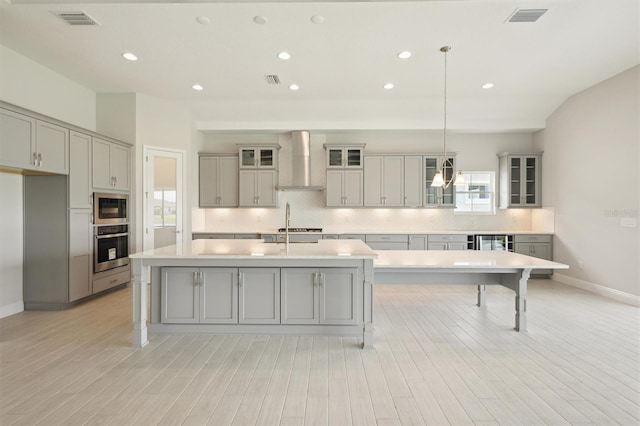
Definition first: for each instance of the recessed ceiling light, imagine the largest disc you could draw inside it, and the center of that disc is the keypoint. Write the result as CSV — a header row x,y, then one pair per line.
x,y
405,54
294,87
388,86
204,20
197,87
317,19
487,85
260,20
129,56
284,56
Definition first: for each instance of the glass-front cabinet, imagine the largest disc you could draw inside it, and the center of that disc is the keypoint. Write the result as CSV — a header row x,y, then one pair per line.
x,y
263,157
344,157
519,180
438,196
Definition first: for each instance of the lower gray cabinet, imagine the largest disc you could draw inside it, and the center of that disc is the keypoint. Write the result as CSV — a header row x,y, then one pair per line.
x,y
447,242
319,296
199,295
539,245
259,296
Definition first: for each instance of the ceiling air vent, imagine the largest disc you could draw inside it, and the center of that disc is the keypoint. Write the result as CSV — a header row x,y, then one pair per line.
x,y
272,79
526,15
76,18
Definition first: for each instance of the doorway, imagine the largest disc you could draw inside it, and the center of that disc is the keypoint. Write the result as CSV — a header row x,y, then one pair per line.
x,y
163,197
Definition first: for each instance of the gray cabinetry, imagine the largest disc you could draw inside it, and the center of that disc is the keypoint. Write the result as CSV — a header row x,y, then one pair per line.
x,y
538,245
110,165
218,183
344,156
258,156
199,295
383,181
344,188
79,170
448,242
412,181
210,236
31,144
258,188
519,180
437,196
319,296
418,242
387,241
259,296
80,252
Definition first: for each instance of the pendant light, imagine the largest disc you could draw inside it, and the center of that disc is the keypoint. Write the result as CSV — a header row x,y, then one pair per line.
x,y
439,178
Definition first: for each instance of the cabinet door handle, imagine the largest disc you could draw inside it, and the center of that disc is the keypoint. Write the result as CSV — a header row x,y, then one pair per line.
x,y
315,279
35,159
39,159
406,201
321,281
195,278
240,279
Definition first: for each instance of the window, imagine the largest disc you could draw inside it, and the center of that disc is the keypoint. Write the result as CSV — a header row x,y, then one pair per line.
x,y
164,207
477,196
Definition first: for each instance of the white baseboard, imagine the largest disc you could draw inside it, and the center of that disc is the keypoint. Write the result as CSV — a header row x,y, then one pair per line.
x,y
611,293
11,309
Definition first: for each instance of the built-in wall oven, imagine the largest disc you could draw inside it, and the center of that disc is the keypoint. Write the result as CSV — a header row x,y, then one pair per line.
x,y
111,249
110,208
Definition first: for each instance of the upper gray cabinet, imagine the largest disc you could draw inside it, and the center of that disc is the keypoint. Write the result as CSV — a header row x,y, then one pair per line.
x,y
437,196
384,181
393,180
79,170
258,156
218,180
31,144
110,165
258,188
519,180
344,156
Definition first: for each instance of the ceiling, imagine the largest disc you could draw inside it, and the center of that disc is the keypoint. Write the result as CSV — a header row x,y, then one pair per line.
x,y
340,64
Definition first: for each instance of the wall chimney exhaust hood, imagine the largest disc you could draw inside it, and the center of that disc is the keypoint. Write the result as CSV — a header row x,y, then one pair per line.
x,y
300,163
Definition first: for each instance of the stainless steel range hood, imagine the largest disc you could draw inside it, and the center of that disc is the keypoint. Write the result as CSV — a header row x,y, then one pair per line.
x,y
300,163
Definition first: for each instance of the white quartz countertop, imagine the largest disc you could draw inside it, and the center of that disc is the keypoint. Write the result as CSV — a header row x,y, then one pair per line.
x,y
460,259
251,249
334,232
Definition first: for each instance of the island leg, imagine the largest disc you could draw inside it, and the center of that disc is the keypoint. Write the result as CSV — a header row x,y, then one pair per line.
x,y
367,332
140,304
481,295
521,301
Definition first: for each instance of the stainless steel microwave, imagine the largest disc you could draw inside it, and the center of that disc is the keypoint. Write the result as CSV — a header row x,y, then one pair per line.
x,y
110,208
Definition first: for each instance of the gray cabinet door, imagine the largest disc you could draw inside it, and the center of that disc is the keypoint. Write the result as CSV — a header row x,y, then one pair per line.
x,y
100,168
338,295
417,242
373,182
79,170
228,181
219,295
413,181
259,296
353,181
300,296
209,169
539,250
17,140
334,189
180,294
120,167
79,254
52,146
267,183
393,181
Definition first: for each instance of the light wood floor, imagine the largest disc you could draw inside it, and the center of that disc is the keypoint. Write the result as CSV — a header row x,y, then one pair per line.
x,y
438,360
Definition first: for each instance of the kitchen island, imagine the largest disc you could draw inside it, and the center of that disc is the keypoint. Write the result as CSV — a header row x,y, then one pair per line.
x,y
249,286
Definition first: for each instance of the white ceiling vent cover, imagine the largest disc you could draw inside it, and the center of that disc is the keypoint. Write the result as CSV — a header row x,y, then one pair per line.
x,y
272,79
526,15
76,18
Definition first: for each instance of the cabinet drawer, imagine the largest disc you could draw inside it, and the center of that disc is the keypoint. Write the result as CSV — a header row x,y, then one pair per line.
x,y
207,236
247,236
447,238
387,238
526,238
352,237
111,281
387,245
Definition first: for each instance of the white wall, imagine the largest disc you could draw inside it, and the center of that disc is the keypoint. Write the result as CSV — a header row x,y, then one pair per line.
x,y
476,152
11,226
29,85
591,178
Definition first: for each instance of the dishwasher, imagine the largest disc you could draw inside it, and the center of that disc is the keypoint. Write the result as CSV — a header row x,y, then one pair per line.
x,y
499,242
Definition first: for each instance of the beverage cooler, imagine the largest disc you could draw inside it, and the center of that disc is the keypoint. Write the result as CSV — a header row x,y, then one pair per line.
x,y
502,242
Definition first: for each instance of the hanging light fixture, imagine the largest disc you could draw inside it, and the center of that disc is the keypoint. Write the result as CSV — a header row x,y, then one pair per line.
x,y
439,178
